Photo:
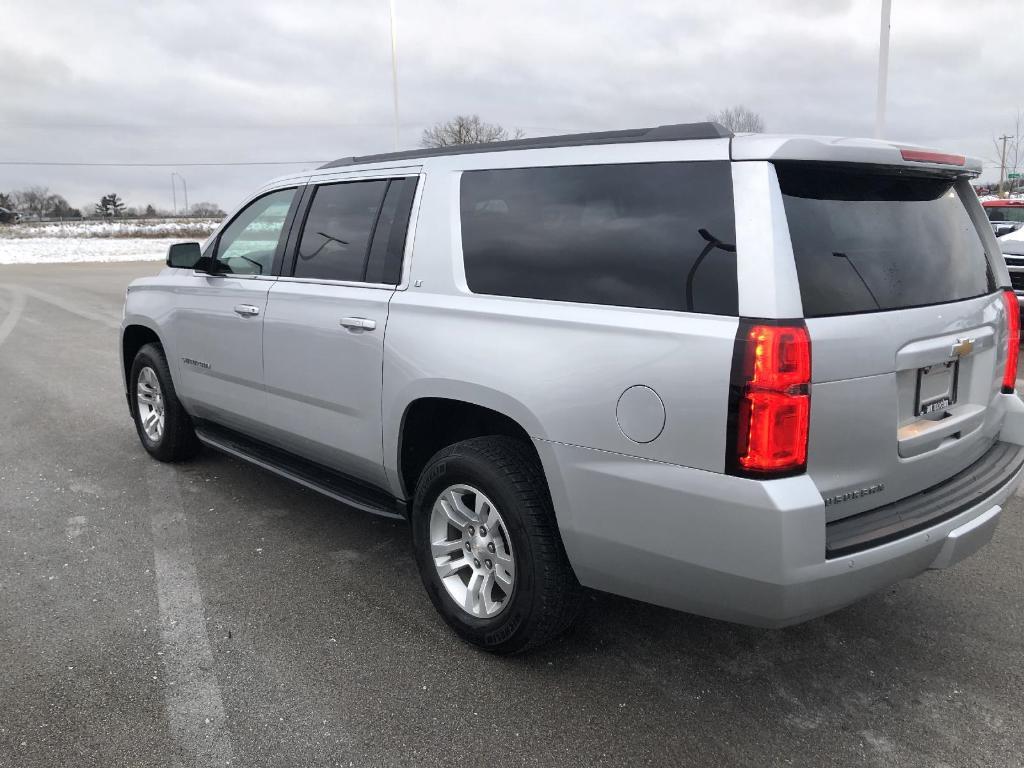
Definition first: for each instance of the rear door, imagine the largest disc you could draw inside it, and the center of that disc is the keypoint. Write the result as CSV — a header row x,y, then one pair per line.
x,y
325,320
907,327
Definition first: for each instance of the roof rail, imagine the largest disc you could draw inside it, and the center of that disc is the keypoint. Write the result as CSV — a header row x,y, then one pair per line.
x,y
678,132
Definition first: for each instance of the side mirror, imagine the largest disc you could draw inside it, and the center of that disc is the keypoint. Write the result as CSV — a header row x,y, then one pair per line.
x,y
184,255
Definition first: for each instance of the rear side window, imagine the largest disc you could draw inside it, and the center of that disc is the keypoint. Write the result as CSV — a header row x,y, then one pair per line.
x,y
355,231
868,241
652,235
335,242
385,265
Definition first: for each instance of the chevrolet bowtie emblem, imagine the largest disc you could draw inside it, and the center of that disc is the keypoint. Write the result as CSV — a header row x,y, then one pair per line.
x,y
962,347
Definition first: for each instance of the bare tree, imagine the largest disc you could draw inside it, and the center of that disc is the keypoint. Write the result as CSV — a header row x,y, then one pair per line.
x,y
207,211
466,129
59,208
1014,150
739,119
33,200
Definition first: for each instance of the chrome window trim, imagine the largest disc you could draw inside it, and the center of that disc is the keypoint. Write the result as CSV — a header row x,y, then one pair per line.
x,y
343,283
234,276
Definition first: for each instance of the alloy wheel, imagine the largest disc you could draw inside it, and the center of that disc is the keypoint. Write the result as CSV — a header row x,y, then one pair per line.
x,y
150,400
472,551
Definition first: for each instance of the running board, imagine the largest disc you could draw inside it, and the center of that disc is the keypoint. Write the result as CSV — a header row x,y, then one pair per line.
x,y
308,474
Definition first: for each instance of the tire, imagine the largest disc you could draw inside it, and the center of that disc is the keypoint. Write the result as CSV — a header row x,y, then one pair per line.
x,y
501,476
176,440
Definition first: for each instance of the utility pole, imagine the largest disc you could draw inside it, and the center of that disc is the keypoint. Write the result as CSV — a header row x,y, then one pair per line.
x,y
1002,163
184,187
394,65
883,68
174,196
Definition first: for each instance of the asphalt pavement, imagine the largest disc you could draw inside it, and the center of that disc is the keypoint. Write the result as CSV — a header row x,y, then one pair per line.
x,y
210,614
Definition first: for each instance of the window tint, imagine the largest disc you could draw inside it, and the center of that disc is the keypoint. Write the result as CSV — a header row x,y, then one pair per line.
x,y
1005,213
247,245
389,237
656,235
871,241
336,238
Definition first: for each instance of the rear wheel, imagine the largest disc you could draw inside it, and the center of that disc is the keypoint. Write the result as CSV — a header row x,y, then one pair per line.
x,y
164,427
488,548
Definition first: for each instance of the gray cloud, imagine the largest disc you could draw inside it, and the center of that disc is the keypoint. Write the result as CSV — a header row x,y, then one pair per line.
x,y
243,81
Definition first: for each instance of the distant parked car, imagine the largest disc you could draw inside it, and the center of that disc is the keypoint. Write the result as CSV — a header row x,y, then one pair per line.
x,y
9,217
1012,247
1005,215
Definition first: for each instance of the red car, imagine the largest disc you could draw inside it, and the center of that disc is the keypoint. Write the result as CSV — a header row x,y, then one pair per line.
x,y
1005,215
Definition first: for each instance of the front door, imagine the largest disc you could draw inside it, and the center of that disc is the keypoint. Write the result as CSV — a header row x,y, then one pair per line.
x,y
219,321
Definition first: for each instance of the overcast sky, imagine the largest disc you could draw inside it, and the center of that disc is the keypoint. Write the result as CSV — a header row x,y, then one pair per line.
x,y
226,81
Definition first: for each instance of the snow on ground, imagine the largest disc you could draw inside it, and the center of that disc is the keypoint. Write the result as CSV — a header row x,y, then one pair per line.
x,y
52,250
190,228
98,240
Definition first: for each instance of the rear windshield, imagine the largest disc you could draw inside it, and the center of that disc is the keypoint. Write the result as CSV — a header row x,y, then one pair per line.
x,y
868,241
1005,213
650,235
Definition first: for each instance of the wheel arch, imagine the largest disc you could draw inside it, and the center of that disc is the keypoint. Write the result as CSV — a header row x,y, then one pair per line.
x,y
134,336
430,422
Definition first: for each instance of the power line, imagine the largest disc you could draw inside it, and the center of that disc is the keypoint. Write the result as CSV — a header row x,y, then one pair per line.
x,y
161,165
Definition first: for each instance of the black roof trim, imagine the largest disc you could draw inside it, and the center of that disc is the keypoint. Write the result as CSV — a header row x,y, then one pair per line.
x,y
679,132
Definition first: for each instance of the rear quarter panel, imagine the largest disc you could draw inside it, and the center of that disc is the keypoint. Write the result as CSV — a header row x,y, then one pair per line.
x,y
557,368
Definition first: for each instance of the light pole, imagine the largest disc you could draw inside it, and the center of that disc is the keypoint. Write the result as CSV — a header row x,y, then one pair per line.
x,y
1002,163
883,68
184,186
394,65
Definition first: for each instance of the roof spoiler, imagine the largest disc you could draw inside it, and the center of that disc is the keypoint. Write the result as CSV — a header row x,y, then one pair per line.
x,y
833,149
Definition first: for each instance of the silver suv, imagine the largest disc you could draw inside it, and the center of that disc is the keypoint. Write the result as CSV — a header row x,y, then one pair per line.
x,y
751,377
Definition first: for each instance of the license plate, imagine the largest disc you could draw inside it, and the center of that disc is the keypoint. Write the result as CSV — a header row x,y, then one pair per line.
x,y
936,387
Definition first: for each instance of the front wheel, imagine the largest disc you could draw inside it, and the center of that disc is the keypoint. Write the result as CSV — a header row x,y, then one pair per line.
x,y
488,548
164,427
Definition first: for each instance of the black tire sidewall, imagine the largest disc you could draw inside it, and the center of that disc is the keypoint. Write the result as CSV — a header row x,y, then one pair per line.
x,y
150,356
506,631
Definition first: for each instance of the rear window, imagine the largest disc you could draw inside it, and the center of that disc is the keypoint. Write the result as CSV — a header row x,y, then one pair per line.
x,y
868,241
1005,213
651,235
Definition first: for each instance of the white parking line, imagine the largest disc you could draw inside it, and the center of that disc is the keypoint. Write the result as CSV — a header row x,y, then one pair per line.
x,y
195,710
14,314
67,306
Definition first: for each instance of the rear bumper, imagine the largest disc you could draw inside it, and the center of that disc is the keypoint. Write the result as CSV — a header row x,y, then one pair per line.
x,y
737,549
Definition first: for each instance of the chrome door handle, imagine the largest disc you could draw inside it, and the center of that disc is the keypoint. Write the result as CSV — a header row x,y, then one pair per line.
x,y
359,323
246,310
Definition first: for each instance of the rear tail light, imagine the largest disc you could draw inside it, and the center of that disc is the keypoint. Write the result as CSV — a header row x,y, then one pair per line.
x,y
770,400
1012,341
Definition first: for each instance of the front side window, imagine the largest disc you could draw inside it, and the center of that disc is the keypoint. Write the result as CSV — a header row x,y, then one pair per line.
x,y
247,245
335,242
650,235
